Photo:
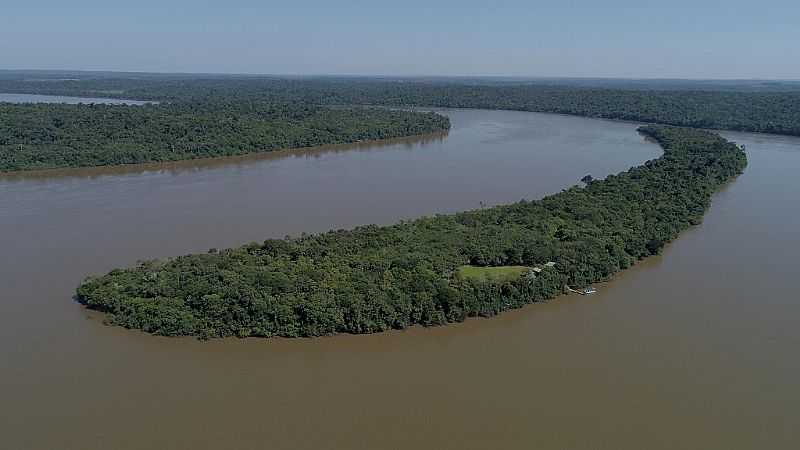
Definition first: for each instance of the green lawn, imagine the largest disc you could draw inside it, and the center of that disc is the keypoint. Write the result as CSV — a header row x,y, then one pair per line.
x,y
492,273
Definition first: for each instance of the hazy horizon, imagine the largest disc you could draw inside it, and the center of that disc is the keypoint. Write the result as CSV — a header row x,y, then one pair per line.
x,y
68,70
688,40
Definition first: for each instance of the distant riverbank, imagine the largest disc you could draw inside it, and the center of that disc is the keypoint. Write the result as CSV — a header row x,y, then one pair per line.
x,y
52,136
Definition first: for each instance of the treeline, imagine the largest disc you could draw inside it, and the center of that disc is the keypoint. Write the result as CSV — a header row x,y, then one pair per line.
x,y
701,107
375,278
46,136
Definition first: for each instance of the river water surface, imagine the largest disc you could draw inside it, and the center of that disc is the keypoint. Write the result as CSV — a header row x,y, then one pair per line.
x,y
696,348
37,98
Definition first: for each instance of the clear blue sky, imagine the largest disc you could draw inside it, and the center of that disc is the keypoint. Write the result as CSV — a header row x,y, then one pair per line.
x,y
603,38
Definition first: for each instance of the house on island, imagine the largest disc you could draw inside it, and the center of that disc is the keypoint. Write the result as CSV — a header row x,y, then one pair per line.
x,y
535,271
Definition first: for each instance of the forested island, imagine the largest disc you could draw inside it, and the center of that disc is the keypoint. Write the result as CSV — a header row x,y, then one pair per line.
x,y
420,272
47,136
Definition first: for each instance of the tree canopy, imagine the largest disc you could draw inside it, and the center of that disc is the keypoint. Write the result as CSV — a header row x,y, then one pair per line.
x,y
46,136
207,116
701,105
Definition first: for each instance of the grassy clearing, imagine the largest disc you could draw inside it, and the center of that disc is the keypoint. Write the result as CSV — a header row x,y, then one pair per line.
x,y
501,273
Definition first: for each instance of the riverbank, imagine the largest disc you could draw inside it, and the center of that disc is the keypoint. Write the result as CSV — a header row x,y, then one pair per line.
x,y
51,136
221,161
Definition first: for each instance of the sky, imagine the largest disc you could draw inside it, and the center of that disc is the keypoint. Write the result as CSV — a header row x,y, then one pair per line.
x,y
729,39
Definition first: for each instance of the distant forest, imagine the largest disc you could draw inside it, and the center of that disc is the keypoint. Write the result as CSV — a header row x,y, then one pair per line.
x,y
375,278
772,107
46,136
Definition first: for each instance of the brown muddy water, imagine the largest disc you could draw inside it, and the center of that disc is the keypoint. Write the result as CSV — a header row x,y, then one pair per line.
x,y
695,349
36,98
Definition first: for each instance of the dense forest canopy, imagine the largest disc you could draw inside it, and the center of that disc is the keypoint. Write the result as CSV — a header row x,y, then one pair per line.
x,y
772,107
207,116
375,278
45,136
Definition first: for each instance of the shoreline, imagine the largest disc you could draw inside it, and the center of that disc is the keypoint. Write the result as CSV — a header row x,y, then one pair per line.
x,y
216,161
220,161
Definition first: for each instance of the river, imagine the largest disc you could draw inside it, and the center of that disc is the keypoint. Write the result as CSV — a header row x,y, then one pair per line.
x,y
37,98
691,349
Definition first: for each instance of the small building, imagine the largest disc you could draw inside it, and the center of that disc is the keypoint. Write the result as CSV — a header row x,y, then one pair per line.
x,y
550,264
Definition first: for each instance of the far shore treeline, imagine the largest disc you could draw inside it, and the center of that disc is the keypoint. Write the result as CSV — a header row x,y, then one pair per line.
x,y
201,117
698,105
48,136
376,278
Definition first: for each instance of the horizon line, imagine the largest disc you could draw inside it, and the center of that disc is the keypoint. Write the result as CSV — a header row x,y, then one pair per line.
x,y
405,76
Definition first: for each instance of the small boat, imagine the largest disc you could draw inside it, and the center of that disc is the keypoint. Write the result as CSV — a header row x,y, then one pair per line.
x,y
583,291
